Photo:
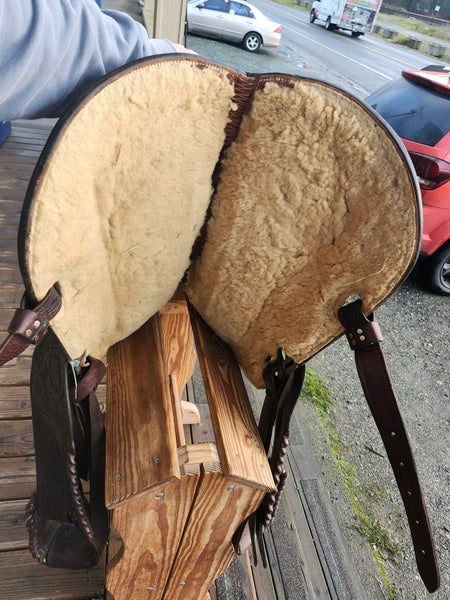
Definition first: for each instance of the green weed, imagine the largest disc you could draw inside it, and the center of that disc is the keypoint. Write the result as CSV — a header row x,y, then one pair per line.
x,y
317,393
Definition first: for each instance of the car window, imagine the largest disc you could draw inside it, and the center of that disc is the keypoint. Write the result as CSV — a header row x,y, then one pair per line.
x,y
241,10
218,5
414,112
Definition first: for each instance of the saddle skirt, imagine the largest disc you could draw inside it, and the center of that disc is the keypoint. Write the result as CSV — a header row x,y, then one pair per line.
x,y
274,200
312,200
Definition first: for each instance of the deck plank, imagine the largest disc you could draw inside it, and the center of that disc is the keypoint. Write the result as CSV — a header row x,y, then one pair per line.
x,y
24,579
21,576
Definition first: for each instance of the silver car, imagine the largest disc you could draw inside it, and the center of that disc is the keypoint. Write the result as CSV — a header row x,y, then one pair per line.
x,y
233,20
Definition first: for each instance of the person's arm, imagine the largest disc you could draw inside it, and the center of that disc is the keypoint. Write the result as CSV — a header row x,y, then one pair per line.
x,y
52,50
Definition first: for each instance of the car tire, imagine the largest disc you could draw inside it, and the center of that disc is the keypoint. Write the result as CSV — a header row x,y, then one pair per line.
x,y
312,16
328,25
252,42
357,33
437,270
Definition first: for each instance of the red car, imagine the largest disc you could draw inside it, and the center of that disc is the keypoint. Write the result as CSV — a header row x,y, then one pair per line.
x,y
417,107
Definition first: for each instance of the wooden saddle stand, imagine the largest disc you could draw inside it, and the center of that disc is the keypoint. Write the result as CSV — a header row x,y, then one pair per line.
x,y
181,202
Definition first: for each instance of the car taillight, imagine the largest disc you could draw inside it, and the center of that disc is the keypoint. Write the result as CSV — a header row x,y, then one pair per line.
x,y
278,29
432,172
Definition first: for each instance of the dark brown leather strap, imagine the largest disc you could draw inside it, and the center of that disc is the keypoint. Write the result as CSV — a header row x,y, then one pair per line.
x,y
65,529
28,326
90,377
364,337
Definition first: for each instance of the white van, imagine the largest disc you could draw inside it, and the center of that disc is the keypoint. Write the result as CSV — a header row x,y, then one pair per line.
x,y
357,16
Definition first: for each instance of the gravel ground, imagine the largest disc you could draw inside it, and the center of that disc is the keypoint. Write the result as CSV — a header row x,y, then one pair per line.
x,y
416,327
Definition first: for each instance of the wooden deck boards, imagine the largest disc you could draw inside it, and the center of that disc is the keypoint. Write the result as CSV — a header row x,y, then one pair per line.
x,y
21,576
307,556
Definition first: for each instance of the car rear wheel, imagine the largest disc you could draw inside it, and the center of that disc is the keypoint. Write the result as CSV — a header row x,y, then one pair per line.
x,y
312,16
252,42
328,24
437,270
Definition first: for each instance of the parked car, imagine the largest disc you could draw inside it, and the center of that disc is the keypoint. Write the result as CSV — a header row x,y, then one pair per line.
x,y
417,106
233,20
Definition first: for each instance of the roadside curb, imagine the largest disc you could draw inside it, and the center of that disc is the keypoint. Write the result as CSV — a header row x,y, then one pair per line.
x,y
433,48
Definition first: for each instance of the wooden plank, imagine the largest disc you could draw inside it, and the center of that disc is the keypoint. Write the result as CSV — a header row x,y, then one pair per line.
x,y
8,231
16,371
335,561
13,531
237,581
10,150
10,276
193,455
203,432
16,438
13,160
28,133
293,509
220,506
21,172
190,413
238,441
17,477
9,260
178,340
16,142
8,246
140,441
23,578
15,402
10,219
151,527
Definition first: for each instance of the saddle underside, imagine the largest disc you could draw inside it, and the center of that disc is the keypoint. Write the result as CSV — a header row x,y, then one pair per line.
x,y
312,201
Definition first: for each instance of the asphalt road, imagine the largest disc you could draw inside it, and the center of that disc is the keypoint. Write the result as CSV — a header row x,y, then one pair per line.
x,y
360,66
415,322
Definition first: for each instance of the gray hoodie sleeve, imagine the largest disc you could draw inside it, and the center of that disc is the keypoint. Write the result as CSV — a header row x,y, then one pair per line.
x,y
52,50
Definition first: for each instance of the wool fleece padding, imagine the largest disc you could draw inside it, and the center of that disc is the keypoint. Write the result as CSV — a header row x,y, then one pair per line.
x,y
315,204
120,197
312,201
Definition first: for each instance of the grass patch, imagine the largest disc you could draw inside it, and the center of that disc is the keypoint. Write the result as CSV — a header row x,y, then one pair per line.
x,y
317,393
439,32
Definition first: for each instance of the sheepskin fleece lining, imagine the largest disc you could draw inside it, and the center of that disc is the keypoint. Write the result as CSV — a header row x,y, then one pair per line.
x,y
314,205
123,198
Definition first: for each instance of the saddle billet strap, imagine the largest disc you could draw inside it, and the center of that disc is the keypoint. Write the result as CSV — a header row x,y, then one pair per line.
x,y
364,337
64,529
28,326
284,380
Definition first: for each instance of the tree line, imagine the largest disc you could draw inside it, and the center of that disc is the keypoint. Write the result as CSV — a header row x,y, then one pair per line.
x,y
423,7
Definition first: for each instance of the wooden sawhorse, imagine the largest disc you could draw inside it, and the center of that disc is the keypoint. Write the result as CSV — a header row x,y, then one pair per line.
x,y
174,505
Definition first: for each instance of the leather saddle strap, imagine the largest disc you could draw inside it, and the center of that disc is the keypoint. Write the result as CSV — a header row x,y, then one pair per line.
x,y
364,337
28,326
85,388
65,530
